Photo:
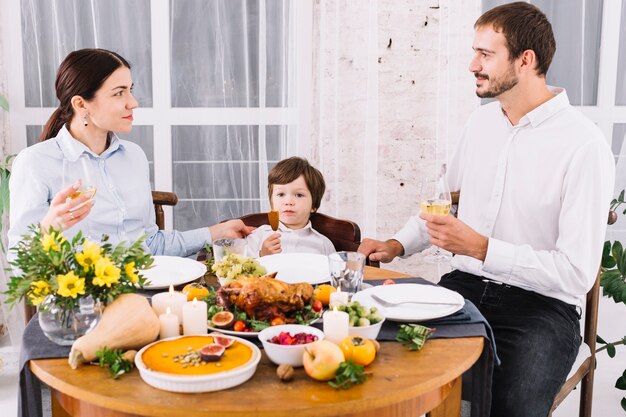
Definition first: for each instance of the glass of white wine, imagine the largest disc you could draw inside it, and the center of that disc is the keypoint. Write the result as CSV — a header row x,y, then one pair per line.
x,y
435,199
79,169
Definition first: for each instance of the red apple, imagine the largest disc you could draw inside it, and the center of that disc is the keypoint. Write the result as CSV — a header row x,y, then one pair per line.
x,y
322,359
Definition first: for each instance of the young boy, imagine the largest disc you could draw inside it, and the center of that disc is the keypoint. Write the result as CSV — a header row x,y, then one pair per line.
x,y
295,190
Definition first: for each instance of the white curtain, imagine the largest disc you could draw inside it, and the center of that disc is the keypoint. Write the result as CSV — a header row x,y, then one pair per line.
x,y
237,55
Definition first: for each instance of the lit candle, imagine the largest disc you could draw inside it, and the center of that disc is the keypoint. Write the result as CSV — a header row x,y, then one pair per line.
x,y
338,298
336,325
169,324
172,299
194,317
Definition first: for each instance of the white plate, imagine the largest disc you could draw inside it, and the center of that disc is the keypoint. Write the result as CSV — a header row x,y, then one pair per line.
x,y
412,292
232,332
298,267
244,334
172,270
199,383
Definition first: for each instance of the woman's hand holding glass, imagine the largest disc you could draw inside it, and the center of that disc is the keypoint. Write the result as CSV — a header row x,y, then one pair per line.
x,y
65,211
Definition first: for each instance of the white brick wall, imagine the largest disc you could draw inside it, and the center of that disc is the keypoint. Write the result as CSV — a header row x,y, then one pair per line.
x,y
417,65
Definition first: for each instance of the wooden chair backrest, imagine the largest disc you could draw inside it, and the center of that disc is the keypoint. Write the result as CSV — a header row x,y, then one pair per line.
x,y
160,199
585,372
344,234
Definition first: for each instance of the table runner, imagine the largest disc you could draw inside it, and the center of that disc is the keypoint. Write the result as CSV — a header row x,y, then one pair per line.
x,y
467,322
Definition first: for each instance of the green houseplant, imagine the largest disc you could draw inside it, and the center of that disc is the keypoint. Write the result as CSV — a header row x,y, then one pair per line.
x,y
613,283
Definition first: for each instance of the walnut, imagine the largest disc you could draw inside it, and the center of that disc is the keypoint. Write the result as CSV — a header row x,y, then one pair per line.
x,y
285,372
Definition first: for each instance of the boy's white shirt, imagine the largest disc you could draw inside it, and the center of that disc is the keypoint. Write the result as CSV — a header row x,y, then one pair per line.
x,y
305,240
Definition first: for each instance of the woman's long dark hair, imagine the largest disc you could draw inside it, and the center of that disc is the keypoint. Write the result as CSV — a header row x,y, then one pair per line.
x,y
81,73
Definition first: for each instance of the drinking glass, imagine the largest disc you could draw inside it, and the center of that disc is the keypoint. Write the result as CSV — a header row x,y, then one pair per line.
x,y
223,247
80,169
346,271
435,199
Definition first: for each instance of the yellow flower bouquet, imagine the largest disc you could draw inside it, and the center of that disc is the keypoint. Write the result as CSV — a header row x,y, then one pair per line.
x,y
49,267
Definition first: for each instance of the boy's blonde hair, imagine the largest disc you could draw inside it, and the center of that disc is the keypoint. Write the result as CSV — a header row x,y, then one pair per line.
x,y
290,169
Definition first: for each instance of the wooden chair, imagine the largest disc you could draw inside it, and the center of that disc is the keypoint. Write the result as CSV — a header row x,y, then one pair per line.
x,y
344,234
160,199
584,367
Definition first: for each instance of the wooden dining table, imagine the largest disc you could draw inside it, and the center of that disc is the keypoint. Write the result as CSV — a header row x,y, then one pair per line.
x,y
400,383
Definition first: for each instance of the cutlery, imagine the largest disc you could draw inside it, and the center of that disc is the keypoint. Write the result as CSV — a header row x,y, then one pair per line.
x,y
273,217
386,303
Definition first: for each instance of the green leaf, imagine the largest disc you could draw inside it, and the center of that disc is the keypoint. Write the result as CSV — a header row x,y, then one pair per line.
x,y
600,340
610,349
4,103
617,252
623,402
607,259
621,383
621,196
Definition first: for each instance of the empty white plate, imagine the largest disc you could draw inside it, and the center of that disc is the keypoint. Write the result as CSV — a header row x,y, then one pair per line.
x,y
412,292
172,270
298,267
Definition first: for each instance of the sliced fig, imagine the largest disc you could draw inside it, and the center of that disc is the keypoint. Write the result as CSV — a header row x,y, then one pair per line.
x,y
223,319
212,352
222,340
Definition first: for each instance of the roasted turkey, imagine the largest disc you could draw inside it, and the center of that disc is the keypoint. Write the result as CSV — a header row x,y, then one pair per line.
x,y
264,298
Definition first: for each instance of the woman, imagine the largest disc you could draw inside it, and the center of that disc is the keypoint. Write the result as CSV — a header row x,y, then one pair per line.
x,y
94,88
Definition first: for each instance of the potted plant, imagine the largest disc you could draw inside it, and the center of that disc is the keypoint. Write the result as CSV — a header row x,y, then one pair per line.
x,y
613,283
67,279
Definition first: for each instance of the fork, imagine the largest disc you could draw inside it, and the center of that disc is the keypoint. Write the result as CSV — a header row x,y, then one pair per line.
x,y
385,303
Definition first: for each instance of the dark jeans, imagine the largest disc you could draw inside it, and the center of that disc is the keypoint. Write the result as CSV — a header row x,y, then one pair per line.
x,y
537,339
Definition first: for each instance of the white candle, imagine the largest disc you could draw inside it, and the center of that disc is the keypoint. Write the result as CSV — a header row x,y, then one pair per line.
x,y
169,325
194,317
338,298
336,325
172,299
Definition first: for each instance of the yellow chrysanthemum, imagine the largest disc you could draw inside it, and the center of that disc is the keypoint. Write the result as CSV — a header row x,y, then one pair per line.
x,y
39,290
70,285
90,255
106,272
130,272
36,299
48,243
40,287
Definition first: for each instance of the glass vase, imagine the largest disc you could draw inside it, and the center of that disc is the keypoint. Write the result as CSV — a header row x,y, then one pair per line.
x,y
64,326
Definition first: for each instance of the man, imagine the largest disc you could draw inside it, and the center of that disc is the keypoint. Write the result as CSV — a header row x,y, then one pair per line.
x,y
536,179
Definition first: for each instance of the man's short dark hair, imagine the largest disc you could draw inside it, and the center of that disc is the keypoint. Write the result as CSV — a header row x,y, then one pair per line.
x,y
524,27
290,169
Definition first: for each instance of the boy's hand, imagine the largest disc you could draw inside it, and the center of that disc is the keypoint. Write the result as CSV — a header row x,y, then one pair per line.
x,y
271,245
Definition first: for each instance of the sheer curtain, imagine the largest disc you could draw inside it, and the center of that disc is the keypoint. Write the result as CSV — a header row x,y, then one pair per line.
x,y
216,110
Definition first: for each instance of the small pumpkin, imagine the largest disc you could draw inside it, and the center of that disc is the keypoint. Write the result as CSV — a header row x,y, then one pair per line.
x,y
127,323
195,290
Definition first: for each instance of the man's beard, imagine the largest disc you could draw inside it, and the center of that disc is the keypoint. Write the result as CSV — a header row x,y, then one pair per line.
x,y
498,85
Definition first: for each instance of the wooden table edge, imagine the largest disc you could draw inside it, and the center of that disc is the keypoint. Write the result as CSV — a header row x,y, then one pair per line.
x,y
434,387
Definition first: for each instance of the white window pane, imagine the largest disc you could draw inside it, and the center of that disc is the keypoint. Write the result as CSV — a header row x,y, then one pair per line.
x,y
195,214
277,40
52,29
620,91
619,133
144,137
214,53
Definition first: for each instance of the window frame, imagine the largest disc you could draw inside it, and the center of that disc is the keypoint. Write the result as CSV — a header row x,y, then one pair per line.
x,y
162,116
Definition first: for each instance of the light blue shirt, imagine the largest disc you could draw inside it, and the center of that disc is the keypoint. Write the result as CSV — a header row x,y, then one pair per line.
x,y
123,203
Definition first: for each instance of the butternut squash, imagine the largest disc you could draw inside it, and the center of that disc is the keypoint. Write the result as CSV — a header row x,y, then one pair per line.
x,y
127,323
